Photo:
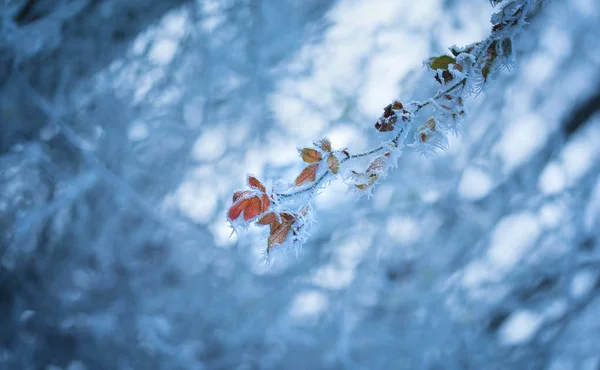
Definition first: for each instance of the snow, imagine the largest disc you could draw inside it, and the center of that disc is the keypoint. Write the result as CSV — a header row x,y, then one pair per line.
x,y
163,51
525,135
512,238
308,305
474,184
550,215
553,179
520,327
403,229
210,145
582,283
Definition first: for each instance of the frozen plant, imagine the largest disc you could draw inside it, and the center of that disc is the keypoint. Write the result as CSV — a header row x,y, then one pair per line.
x,y
286,208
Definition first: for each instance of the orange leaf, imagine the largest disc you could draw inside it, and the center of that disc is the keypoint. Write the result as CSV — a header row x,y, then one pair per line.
x,y
254,183
252,208
239,194
333,163
269,218
237,208
310,155
309,174
264,203
324,144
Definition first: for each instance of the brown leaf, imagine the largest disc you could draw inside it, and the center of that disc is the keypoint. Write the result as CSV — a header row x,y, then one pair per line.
x,y
324,144
279,231
447,76
333,163
278,235
310,155
254,183
309,174
236,209
264,203
252,208
268,219
288,217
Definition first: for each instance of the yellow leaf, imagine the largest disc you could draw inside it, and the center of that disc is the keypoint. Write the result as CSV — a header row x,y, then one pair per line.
x,y
441,62
310,155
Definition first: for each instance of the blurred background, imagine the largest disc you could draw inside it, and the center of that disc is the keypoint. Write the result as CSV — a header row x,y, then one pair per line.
x,y
125,126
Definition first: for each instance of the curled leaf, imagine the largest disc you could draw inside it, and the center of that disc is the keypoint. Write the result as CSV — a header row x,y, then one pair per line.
x,y
310,155
333,164
377,165
370,181
254,183
324,145
240,194
441,62
309,174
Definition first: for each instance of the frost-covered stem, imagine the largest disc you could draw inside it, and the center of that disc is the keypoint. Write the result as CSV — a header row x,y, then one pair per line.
x,y
313,187
467,70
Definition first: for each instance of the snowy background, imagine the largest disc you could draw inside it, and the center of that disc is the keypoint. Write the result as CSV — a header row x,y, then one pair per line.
x,y
125,126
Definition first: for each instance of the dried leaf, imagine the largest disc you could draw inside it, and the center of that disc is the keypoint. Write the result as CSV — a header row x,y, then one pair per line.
x,y
268,219
252,209
278,235
264,203
279,231
324,144
309,174
237,209
441,62
377,165
288,217
333,164
310,155
305,210
254,183
397,105
371,181
485,71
